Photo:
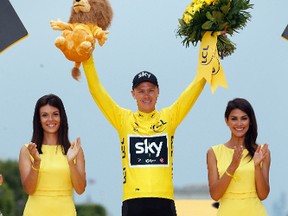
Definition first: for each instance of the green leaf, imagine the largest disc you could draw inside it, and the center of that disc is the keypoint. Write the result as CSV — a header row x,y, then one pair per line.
x,y
209,16
218,16
225,9
207,25
180,21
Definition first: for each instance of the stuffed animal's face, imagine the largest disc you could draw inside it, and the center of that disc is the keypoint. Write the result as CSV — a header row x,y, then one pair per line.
x,y
81,6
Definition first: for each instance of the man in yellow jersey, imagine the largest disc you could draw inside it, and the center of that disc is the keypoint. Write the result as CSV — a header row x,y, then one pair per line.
x,y
146,138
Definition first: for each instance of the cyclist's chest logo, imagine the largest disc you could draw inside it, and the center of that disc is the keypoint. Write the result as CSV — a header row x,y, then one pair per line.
x,y
148,151
159,126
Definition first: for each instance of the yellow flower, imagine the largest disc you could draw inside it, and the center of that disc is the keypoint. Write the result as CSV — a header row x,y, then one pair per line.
x,y
209,2
186,18
188,9
197,7
193,7
187,14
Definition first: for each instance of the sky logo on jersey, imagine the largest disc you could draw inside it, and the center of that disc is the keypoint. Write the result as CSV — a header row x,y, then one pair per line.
x,y
148,151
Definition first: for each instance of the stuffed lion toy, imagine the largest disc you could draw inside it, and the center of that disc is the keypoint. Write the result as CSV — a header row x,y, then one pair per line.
x,y
88,22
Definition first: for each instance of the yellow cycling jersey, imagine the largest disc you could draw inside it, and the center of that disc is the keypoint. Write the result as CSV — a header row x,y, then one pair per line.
x,y
146,139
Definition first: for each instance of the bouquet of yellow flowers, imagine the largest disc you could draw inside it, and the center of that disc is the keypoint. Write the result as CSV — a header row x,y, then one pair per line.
x,y
225,16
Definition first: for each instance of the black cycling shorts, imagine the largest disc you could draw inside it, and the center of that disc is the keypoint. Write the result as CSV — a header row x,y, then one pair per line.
x,y
149,207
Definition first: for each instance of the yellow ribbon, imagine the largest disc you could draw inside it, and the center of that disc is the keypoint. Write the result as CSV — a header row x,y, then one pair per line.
x,y
209,66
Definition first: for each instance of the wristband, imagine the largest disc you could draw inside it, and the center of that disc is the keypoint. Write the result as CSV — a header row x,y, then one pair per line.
x,y
36,169
228,174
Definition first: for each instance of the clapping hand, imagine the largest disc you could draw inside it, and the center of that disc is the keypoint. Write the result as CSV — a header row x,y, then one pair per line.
x,y
73,150
260,154
32,148
237,155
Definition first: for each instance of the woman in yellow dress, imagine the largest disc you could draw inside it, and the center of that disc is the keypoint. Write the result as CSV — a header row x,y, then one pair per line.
x,y
50,166
238,171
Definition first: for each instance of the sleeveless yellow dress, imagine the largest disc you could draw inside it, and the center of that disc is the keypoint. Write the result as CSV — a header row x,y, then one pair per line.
x,y
240,198
53,194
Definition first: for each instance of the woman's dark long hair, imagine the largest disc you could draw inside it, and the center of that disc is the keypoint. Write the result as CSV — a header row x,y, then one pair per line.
x,y
252,133
38,134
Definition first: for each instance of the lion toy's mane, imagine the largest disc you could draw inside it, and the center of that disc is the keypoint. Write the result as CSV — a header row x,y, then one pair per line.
x,y
100,14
